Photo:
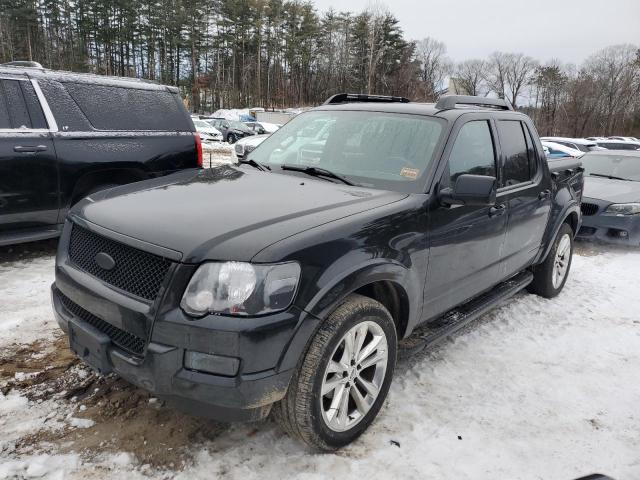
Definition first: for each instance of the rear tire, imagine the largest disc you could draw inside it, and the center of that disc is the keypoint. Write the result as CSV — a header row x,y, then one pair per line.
x,y
550,276
343,379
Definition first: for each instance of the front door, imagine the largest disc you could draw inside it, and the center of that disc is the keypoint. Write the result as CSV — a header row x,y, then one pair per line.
x,y
465,241
28,169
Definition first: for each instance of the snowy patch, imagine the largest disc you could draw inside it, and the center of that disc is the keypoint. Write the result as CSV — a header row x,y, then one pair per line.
x,y
536,389
80,422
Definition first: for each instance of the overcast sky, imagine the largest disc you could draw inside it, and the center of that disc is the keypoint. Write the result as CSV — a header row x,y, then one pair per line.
x,y
569,30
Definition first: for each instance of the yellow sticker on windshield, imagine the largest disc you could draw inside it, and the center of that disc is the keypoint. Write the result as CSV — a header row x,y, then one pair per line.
x,y
411,173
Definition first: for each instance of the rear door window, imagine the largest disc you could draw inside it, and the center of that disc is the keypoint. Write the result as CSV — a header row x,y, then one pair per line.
x,y
473,151
118,108
519,155
19,106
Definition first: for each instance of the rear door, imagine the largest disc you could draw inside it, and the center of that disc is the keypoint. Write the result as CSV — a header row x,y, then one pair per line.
x,y
526,188
28,167
465,241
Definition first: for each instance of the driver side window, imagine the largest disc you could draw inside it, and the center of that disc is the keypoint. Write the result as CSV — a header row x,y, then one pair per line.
x,y
473,151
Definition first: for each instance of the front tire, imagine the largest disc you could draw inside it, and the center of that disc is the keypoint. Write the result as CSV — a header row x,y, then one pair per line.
x,y
550,276
231,139
343,380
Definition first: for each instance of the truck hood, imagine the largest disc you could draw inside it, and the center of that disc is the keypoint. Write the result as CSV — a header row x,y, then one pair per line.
x,y
614,191
225,213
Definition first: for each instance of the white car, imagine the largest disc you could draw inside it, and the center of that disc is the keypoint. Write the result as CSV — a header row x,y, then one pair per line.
x,y
624,139
556,150
619,144
247,145
207,132
576,143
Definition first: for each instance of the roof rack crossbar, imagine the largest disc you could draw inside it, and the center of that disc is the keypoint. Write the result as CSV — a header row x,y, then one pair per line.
x,y
449,102
363,97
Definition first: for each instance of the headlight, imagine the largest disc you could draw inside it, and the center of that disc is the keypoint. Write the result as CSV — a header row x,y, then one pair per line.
x,y
623,209
239,148
242,289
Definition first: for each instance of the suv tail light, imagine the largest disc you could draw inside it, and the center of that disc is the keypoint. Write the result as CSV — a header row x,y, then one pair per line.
x,y
196,135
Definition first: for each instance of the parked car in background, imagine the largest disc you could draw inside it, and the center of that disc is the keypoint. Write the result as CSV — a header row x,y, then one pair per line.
x,y
66,135
207,132
292,297
557,150
624,139
263,127
246,145
231,130
611,200
619,144
576,143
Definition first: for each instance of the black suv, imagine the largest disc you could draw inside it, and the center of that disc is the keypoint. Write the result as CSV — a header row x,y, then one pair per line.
x,y
292,294
66,135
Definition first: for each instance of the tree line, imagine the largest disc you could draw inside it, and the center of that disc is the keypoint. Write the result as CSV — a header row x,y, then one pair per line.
x,y
282,53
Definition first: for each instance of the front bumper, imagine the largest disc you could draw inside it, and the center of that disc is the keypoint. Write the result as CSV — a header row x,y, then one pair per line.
x,y
90,311
161,371
618,230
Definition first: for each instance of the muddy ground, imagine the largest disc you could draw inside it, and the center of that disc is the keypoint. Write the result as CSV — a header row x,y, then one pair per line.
x,y
121,416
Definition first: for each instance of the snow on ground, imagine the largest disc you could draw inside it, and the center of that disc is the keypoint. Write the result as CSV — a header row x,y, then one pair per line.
x,y
537,389
25,280
217,154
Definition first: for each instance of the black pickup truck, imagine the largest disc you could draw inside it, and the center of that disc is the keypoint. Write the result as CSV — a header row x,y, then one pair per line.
x,y
293,293
65,135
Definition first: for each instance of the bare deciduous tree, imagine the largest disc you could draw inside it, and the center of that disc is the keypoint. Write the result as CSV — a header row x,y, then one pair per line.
x,y
435,66
471,77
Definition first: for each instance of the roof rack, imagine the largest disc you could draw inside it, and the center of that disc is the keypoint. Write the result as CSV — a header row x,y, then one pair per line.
x,y
449,102
363,97
22,63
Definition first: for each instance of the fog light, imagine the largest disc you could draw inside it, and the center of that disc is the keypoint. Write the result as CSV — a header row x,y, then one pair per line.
x,y
614,232
216,364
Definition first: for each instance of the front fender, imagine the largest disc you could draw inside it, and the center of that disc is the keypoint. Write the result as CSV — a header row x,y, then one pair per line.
x,y
332,293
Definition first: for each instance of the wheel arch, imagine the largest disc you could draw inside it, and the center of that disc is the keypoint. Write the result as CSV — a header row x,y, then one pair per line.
x,y
572,217
386,282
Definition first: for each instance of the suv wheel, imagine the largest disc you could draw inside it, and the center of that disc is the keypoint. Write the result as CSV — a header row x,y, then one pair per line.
x,y
231,138
550,276
343,379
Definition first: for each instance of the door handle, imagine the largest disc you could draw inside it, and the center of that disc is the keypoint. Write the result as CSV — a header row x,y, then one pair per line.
x,y
544,195
497,210
29,148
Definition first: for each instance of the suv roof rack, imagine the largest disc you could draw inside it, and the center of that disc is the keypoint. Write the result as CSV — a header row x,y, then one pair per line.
x,y
449,102
363,97
23,63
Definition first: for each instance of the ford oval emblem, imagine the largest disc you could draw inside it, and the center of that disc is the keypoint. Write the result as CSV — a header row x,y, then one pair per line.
x,y
105,261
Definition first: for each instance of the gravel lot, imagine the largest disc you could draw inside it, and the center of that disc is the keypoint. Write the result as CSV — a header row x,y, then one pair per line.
x,y
536,389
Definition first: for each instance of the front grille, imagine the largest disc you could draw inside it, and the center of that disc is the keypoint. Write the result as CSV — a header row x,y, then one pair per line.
x,y
589,209
136,272
127,341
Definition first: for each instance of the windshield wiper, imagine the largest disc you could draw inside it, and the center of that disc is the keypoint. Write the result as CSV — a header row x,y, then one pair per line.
x,y
612,177
316,172
254,164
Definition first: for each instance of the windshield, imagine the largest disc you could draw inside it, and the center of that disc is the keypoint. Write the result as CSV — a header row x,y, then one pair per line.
x,y
202,124
373,149
620,166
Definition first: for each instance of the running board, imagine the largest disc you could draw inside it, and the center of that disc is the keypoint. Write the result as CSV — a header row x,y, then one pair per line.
x,y
431,333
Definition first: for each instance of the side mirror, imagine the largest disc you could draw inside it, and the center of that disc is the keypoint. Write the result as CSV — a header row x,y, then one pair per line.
x,y
472,190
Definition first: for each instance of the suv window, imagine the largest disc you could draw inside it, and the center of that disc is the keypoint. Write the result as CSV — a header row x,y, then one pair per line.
x,y
473,151
119,108
19,106
519,155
